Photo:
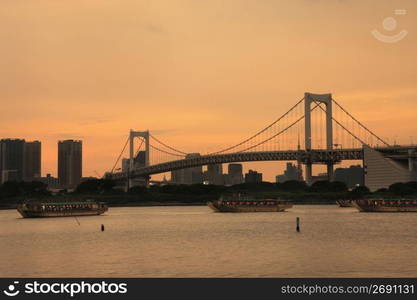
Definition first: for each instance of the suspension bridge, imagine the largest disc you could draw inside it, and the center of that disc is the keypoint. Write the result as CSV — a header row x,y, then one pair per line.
x,y
317,129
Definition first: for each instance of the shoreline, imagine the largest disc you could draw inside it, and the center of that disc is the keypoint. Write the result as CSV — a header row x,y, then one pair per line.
x,y
158,204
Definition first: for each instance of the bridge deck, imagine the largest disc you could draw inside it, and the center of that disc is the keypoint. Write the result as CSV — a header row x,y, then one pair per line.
x,y
313,156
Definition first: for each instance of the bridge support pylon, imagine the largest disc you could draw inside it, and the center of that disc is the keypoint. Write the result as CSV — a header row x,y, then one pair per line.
x,y
330,171
136,134
309,173
310,98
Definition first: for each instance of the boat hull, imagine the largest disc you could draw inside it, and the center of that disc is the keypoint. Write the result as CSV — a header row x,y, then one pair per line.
x,y
42,211
344,203
384,206
31,214
221,207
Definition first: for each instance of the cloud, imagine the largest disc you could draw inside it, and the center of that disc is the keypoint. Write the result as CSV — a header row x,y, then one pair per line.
x,y
68,136
163,131
154,28
93,122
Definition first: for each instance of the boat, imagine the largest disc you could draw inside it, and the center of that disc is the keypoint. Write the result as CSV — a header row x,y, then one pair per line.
x,y
248,205
61,209
344,203
386,205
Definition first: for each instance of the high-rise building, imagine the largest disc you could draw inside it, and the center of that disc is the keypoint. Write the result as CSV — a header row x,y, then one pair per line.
x,y
190,175
69,163
32,161
253,177
351,176
12,162
214,174
235,174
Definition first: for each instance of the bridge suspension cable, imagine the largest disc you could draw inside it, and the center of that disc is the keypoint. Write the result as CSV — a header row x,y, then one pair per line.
x,y
259,132
359,123
167,146
341,125
166,152
120,155
280,132
275,135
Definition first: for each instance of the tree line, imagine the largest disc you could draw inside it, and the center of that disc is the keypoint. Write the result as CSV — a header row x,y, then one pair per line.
x,y
107,187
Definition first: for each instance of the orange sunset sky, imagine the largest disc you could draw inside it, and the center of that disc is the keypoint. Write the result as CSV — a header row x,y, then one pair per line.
x,y
200,75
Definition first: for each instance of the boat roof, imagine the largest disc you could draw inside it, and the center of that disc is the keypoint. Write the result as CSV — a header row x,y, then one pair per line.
x,y
64,203
250,199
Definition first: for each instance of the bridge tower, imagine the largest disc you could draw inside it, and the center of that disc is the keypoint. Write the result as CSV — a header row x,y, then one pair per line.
x,y
136,134
327,100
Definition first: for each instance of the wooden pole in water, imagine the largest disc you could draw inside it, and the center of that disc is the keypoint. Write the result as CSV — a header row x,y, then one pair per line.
x,y
298,224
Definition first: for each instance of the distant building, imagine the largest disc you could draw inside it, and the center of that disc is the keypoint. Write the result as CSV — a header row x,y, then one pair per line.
x,y
177,176
351,176
32,161
140,159
381,171
214,174
235,174
253,177
138,162
69,163
280,178
190,175
50,181
19,160
291,173
12,162
319,177
10,175
125,164
83,179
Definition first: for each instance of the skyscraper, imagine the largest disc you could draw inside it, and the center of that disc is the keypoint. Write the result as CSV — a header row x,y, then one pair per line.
x,y
32,161
12,163
214,174
69,163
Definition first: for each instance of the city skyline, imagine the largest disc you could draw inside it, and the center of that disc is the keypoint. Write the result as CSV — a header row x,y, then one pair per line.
x,y
21,161
81,82
32,164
